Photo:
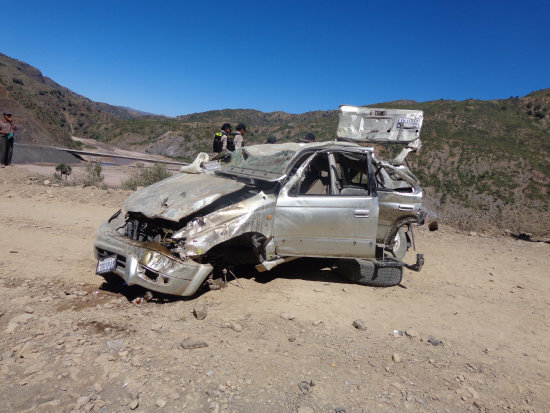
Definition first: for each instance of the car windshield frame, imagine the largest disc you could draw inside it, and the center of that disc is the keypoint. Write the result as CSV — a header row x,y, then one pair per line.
x,y
258,162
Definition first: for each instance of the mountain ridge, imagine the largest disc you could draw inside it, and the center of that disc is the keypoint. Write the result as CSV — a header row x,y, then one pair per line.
x,y
487,156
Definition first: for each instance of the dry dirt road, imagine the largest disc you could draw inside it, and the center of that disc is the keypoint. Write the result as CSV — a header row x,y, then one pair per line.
x,y
277,342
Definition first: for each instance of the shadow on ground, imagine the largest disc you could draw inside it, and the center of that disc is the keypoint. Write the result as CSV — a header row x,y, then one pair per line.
x,y
310,269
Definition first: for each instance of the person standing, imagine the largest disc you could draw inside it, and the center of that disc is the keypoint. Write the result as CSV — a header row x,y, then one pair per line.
x,y
7,128
220,138
238,139
310,137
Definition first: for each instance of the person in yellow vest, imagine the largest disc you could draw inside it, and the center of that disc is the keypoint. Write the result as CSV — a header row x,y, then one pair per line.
x,y
220,138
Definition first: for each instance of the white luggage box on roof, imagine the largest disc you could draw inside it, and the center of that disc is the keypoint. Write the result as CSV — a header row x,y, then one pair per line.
x,y
377,125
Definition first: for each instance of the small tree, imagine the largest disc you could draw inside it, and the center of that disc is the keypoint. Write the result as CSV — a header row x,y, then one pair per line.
x,y
63,169
92,175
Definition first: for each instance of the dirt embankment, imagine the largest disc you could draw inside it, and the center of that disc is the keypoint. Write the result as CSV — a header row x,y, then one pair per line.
x,y
280,341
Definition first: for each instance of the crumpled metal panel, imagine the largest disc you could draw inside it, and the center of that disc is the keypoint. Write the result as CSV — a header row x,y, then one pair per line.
x,y
377,125
251,215
181,195
175,276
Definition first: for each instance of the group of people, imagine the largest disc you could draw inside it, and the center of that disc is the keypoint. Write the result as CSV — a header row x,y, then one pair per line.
x,y
7,129
224,139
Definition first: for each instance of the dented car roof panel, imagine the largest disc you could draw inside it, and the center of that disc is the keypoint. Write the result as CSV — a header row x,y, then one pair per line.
x,y
378,125
181,195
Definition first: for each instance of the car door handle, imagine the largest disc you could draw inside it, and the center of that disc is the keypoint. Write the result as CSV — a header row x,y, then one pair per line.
x,y
406,207
361,213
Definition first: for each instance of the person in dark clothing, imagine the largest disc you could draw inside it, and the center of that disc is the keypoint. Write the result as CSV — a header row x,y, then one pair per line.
x,y
310,137
7,128
220,138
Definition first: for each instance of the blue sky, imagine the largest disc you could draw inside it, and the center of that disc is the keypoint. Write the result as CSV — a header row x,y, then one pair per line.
x,y
179,57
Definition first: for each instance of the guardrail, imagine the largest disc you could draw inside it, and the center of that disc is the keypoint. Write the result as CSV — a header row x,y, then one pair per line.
x,y
100,154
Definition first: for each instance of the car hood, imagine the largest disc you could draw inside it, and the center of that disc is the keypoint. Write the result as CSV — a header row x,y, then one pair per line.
x,y
377,125
180,195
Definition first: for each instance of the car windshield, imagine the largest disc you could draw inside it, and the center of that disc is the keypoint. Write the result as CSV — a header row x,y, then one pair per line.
x,y
259,161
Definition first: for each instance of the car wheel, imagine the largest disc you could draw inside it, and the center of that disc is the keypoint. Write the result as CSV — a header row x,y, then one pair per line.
x,y
365,273
400,244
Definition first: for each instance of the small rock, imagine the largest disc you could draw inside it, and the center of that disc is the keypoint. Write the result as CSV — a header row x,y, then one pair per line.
x,y
160,403
288,316
345,290
200,311
305,409
81,401
47,182
433,226
236,327
317,322
194,344
115,344
396,357
411,333
473,234
360,325
29,310
292,339
304,387
434,341
134,404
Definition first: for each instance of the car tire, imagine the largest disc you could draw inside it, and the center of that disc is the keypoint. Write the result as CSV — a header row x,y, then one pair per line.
x,y
400,244
366,273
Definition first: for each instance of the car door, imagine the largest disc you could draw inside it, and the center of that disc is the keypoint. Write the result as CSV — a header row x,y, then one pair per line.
x,y
313,218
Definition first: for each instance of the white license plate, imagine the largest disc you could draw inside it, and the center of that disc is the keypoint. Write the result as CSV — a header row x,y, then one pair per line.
x,y
409,123
106,264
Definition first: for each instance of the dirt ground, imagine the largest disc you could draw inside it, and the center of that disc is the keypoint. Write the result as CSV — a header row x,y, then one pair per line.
x,y
281,341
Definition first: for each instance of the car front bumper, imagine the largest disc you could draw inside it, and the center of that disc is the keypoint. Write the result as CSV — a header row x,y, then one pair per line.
x,y
149,265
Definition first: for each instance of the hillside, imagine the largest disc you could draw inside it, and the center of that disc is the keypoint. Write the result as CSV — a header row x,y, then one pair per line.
x,y
484,165
481,163
48,113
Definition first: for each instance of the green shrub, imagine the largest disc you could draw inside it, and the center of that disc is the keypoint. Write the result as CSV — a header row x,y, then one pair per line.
x,y
63,169
92,174
18,81
145,176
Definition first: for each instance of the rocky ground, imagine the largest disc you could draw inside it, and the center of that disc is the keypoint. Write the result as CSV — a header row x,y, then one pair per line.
x,y
470,332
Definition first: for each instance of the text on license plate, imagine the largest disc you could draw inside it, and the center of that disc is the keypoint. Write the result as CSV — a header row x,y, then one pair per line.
x,y
106,264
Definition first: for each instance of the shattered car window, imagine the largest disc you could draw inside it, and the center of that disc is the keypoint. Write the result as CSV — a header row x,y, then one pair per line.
x,y
258,163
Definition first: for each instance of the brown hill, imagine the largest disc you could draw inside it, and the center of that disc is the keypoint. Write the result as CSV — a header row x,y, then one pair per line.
x,y
48,113
484,164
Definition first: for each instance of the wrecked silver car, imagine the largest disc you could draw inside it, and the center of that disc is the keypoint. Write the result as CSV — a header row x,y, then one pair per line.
x,y
270,204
